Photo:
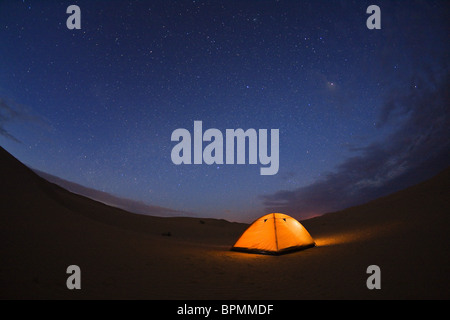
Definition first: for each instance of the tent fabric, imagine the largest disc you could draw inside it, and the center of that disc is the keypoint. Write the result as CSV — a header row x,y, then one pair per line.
x,y
274,233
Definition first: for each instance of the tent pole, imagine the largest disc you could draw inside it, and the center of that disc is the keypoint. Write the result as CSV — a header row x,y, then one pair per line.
x,y
275,227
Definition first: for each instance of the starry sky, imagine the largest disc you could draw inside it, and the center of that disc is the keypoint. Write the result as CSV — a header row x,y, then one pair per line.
x,y
360,112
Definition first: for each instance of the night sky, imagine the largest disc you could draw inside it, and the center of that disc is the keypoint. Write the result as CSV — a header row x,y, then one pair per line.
x,y
360,112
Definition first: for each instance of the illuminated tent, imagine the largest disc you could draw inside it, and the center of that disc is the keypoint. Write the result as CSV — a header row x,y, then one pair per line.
x,y
274,233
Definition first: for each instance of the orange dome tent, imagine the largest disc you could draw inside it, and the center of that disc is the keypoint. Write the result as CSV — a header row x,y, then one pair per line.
x,y
274,233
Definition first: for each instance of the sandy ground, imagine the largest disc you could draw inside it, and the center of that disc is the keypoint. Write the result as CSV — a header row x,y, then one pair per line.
x,y
44,229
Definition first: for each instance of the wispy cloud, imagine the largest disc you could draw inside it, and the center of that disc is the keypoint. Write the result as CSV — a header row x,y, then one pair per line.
x,y
419,148
7,114
11,112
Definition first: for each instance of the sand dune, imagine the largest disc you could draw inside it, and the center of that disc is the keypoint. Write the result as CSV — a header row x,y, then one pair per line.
x,y
44,229
114,201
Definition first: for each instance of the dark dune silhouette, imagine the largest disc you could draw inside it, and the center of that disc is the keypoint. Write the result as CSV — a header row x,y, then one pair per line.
x,y
45,228
114,201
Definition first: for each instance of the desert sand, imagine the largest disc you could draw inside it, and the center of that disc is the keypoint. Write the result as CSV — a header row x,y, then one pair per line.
x,y
44,229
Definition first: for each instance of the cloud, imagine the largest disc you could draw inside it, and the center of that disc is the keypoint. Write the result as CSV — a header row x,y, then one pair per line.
x,y
418,149
7,114
13,112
